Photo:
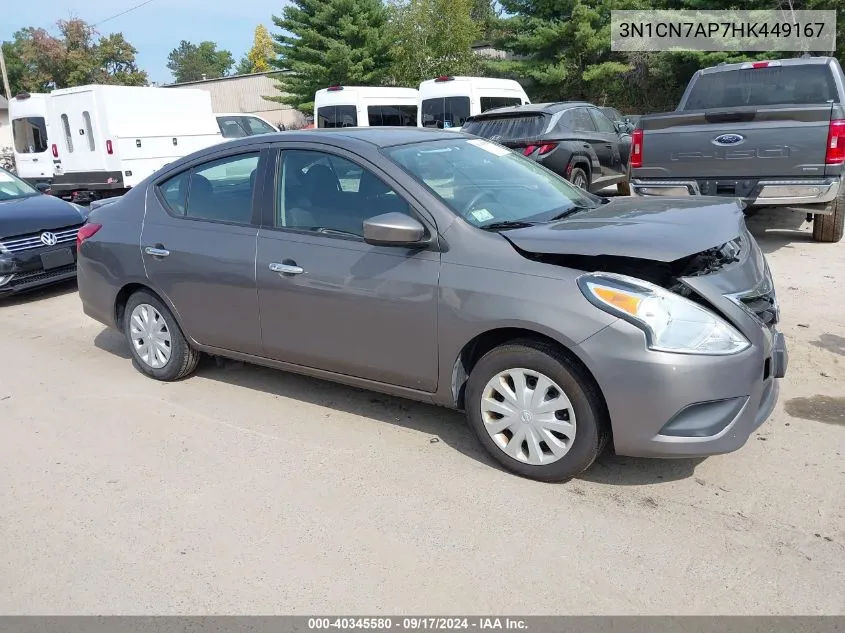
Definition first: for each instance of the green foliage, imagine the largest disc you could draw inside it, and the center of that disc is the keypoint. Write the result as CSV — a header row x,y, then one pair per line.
x,y
193,62
38,61
432,37
325,42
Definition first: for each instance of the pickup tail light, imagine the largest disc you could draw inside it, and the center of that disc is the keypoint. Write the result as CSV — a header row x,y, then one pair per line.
x,y
55,149
546,148
636,148
835,153
86,231
529,150
109,148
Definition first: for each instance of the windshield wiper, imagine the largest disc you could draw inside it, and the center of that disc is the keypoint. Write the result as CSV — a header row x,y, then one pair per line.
x,y
506,224
570,211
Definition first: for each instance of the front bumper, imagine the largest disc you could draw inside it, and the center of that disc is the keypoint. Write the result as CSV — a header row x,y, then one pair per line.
x,y
24,271
685,405
815,192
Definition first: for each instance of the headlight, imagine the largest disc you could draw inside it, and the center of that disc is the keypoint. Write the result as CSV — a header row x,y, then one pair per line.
x,y
671,323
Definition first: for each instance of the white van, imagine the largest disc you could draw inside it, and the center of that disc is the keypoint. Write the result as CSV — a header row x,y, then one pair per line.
x,y
446,102
357,106
28,116
106,139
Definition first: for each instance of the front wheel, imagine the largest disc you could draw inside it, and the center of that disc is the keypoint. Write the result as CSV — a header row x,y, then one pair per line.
x,y
536,411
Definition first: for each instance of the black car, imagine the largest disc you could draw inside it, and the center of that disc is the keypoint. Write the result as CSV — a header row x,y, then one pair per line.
x,y
37,236
572,138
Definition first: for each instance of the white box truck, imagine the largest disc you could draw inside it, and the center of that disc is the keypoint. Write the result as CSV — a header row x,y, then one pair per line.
x,y
360,106
106,139
446,102
30,138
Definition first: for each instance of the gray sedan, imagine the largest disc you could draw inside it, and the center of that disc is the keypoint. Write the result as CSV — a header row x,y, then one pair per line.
x,y
444,268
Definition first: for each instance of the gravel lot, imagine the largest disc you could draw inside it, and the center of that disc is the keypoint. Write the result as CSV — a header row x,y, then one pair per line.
x,y
244,490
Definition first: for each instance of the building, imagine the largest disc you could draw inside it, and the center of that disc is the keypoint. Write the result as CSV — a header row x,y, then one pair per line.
x,y
5,127
245,93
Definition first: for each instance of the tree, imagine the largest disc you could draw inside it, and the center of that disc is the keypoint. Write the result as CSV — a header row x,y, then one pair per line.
x,y
192,62
262,50
485,15
325,42
39,61
244,66
432,38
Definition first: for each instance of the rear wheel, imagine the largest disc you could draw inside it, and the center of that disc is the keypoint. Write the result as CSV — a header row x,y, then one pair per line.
x,y
829,228
579,178
536,411
623,188
158,347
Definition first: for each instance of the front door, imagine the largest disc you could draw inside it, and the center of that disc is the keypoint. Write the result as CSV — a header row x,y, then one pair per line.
x,y
198,244
330,301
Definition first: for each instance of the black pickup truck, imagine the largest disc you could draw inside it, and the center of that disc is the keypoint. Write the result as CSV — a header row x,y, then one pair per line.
x,y
770,133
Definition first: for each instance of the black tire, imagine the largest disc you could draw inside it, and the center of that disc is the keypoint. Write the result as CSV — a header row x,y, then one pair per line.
x,y
579,174
828,228
592,424
623,188
183,358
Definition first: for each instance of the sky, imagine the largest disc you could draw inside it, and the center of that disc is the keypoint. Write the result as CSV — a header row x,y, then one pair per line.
x,y
155,28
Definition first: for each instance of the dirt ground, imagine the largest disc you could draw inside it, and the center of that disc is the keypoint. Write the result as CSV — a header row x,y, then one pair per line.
x,y
243,490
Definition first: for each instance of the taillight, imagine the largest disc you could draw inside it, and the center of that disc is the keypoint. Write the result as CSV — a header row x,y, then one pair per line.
x,y
835,153
529,150
109,149
636,148
86,231
55,151
444,78
546,148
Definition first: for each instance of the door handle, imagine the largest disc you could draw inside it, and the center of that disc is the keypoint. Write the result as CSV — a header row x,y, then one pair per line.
x,y
287,269
156,252
609,146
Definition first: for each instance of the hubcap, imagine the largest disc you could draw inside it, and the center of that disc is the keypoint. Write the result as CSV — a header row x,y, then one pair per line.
x,y
579,181
528,416
150,336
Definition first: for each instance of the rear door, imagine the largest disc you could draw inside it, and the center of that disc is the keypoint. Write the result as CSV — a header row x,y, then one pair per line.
x,y
607,132
602,148
32,151
198,245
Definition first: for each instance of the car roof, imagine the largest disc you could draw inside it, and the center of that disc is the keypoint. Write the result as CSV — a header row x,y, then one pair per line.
x,y
534,108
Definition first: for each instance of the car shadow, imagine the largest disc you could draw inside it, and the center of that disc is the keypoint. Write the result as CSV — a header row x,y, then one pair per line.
x,y
39,294
437,423
776,227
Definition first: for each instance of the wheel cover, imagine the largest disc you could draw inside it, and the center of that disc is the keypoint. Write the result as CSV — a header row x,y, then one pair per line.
x,y
579,180
528,416
150,336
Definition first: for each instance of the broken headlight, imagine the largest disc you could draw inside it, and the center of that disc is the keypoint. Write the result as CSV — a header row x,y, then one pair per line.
x,y
671,323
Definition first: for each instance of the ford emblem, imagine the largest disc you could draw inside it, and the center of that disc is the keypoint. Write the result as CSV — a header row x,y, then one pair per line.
x,y
728,139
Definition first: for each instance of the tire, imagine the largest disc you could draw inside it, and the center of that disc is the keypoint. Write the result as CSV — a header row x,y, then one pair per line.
x,y
579,175
182,358
623,188
591,425
828,228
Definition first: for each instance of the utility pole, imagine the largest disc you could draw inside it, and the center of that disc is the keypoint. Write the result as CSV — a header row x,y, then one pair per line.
x,y
5,76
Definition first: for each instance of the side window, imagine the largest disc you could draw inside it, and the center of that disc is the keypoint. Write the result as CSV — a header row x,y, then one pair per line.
x,y
230,128
603,124
329,194
219,190
175,192
68,137
583,120
566,123
89,131
256,125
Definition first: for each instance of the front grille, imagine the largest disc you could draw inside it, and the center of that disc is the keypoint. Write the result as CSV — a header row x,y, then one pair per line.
x,y
39,276
27,242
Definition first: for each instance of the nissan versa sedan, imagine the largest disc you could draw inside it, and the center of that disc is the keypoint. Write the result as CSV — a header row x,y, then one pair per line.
x,y
37,236
448,269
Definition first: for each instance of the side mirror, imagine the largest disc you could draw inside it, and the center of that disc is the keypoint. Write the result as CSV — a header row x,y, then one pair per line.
x,y
43,187
620,126
393,229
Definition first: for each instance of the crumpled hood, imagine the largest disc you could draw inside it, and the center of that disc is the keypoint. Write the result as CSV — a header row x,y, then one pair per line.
x,y
657,229
34,214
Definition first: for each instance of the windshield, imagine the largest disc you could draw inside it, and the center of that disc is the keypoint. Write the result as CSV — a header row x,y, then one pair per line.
x,y
775,85
485,183
30,135
12,187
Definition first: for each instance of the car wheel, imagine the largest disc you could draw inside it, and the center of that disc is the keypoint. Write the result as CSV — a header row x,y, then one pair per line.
x,y
579,178
158,347
623,188
829,228
536,411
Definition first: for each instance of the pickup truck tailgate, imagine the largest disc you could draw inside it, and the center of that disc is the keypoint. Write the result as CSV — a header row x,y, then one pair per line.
x,y
779,141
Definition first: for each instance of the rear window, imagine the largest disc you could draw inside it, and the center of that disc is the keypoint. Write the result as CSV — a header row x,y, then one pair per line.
x,y
30,134
445,112
491,103
508,128
396,115
775,85
337,116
